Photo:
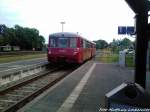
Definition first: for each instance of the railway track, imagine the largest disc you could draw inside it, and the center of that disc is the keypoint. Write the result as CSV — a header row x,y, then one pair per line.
x,y
16,96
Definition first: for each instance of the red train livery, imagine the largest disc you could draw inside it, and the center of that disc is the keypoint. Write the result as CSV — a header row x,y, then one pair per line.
x,y
70,48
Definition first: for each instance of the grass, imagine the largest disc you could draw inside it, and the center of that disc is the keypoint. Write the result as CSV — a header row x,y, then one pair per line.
x,y
10,58
114,58
129,61
108,58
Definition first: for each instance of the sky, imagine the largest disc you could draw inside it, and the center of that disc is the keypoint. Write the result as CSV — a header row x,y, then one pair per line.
x,y
93,19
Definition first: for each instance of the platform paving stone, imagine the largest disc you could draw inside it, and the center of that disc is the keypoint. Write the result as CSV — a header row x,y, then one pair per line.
x,y
104,78
18,64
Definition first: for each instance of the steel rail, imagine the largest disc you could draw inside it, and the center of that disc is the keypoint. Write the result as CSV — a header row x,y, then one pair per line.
x,y
16,96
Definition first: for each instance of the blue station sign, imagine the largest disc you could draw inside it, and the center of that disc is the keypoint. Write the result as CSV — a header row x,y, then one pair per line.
x,y
123,30
130,30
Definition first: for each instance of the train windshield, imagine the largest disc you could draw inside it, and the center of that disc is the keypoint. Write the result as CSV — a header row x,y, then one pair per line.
x,y
63,42
67,42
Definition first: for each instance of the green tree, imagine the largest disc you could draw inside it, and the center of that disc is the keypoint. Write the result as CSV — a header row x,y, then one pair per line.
x,y
19,37
3,35
118,44
24,37
11,36
30,38
40,42
126,43
100,44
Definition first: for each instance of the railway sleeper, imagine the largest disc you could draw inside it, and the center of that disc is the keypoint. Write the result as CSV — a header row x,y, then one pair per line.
x,y
12,98
24,91
41,84
4,105
15,95
1,108
34,85
30,87
8,101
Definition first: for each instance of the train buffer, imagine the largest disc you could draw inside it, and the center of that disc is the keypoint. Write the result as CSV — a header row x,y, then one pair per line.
x,y
83,90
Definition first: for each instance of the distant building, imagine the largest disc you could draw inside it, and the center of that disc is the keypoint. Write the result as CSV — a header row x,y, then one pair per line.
x,y
8,48
5,48
15,48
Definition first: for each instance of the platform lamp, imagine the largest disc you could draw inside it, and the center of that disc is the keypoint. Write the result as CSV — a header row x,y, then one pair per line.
x,y
62,23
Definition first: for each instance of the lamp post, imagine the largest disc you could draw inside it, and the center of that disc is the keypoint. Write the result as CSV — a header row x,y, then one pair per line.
x,y
62,23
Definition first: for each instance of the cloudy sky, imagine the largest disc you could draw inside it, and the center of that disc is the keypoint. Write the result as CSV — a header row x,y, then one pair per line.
x,y
93,19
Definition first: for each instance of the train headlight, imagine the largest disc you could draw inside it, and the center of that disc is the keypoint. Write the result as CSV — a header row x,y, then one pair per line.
x,y
77,49
74,53
49,52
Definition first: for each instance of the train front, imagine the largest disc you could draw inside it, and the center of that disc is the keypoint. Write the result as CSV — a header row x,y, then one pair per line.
x,y
63,47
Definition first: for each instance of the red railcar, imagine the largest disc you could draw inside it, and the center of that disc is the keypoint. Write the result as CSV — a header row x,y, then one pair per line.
x,y
70,48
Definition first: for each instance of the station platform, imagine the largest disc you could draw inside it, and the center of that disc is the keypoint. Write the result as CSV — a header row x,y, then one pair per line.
x,y
11,67
83,90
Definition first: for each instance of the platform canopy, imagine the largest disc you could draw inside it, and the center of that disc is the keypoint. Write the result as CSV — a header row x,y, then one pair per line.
x,y
139,6
141,9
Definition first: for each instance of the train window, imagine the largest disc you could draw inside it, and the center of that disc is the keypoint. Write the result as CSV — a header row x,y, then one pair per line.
x,y
87,44
73,42
52,42
63,42
81,43
84,44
